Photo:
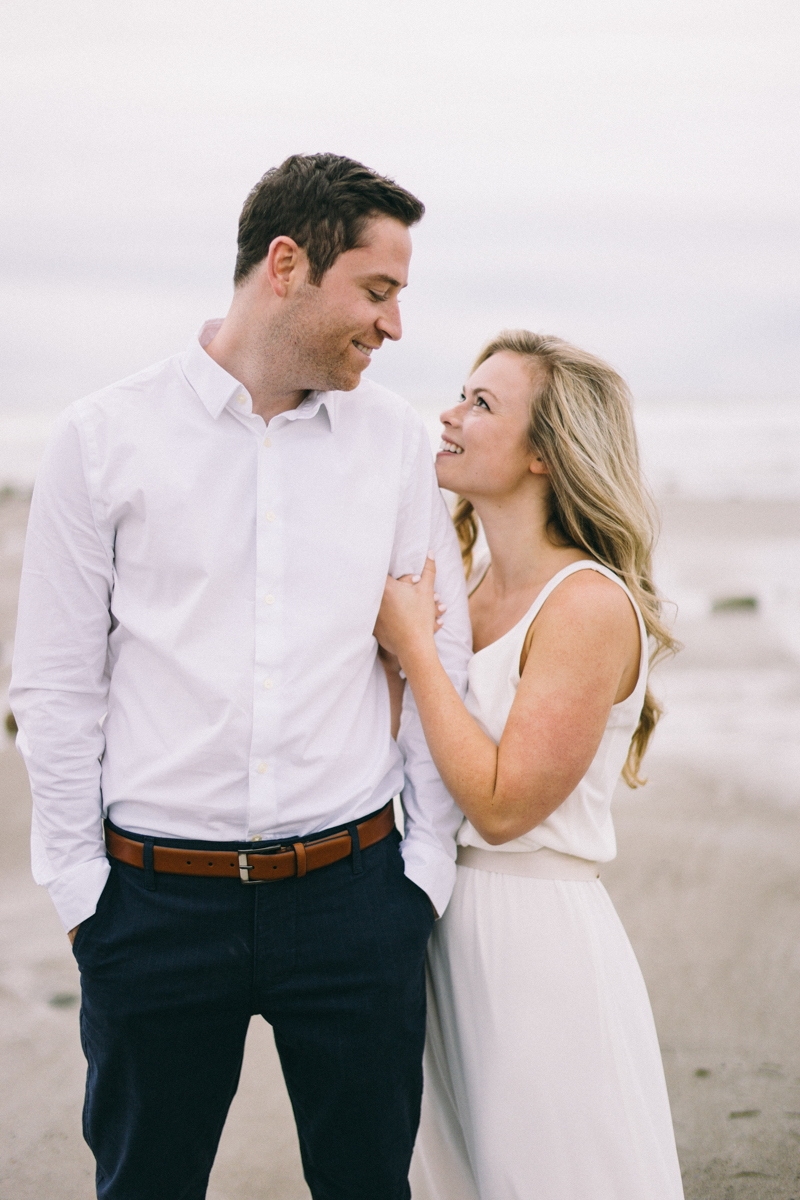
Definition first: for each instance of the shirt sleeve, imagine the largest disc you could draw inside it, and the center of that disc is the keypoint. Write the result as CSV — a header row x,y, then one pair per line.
x,y
59,682
432,818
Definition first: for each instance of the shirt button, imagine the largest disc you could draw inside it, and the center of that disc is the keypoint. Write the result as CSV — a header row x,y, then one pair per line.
x,y
269,516
262,768
267,684
257,838
268,442
241,399
269,599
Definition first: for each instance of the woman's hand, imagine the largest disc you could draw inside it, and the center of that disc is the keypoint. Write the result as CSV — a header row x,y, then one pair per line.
x,y
410,613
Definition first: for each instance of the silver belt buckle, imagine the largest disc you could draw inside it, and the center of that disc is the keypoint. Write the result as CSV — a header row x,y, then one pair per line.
x,y
244,867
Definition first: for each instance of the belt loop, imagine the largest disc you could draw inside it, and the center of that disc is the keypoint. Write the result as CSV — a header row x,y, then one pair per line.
x,y
355,848
147,863
300,857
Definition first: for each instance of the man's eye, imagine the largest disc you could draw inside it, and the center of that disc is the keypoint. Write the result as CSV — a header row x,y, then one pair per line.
x,y
378,296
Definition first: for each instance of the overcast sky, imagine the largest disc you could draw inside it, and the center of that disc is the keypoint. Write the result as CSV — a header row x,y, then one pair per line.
x,y
622,173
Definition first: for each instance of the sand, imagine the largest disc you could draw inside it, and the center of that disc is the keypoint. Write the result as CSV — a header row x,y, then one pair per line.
x,y
707,883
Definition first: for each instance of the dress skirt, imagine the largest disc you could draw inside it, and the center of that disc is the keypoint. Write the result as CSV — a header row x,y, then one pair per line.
x,y
543,1075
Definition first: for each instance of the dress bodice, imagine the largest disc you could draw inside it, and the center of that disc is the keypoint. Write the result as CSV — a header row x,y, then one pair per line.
x,y
582,824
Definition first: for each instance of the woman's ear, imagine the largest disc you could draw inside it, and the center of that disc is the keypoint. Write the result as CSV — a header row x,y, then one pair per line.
x,y
538,466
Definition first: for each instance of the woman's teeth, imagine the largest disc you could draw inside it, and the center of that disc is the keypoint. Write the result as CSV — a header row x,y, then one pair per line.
x,y
450,447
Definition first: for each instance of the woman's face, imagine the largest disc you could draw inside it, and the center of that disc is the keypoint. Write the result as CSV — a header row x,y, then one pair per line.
x,y
484,449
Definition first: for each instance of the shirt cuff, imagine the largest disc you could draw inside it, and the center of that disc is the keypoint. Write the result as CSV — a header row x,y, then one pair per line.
x,y
76,892
433,871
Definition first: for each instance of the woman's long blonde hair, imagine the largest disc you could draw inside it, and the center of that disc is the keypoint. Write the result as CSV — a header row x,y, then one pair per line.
x,y
581,424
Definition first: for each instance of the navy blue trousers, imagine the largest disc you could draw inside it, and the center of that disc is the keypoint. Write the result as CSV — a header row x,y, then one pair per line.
x,y
170,979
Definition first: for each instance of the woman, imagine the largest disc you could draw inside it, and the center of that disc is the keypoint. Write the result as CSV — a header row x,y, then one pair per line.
x,y
543,1074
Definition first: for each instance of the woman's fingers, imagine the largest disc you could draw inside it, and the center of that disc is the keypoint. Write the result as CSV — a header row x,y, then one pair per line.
x,y
406,610
428,572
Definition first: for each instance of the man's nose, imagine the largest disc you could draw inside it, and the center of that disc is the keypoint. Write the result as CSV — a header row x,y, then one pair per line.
x,y
389,322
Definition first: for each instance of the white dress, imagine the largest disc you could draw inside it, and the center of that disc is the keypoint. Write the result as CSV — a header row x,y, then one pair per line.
x,y
543,1076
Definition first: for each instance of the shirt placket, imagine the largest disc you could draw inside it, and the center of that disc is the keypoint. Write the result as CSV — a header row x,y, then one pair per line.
x,y
268,659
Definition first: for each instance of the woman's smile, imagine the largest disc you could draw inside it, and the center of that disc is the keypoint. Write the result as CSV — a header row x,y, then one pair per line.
x,y
490,422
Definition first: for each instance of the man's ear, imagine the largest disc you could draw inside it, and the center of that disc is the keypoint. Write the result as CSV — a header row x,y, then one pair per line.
x,y
285,266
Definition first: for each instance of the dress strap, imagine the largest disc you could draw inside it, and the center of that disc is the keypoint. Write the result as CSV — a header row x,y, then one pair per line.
x,y
586,564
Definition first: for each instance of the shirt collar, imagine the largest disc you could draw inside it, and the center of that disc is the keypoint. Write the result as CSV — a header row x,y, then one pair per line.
x,y
216,388
313,403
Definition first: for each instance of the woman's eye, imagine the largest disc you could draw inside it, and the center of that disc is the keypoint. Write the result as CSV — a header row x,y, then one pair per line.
x,y
461,398
480,400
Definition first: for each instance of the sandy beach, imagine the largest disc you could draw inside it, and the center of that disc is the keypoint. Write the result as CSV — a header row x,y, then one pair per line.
x,y
707,883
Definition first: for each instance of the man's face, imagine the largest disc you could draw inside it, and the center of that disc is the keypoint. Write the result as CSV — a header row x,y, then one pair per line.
x,y
334,328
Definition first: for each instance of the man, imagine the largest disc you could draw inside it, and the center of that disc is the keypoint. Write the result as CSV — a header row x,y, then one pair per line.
x,y
207,549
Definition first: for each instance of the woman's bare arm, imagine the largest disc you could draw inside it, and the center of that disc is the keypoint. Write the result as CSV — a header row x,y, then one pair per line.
x,y
585,635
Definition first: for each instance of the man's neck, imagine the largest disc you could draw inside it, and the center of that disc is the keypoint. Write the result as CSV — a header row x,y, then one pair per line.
x,y
247,354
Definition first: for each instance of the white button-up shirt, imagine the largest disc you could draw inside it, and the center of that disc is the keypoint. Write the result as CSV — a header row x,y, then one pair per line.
x,y
194,653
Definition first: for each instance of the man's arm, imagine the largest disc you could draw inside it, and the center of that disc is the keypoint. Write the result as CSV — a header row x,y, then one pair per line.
x,y
432,819
59,684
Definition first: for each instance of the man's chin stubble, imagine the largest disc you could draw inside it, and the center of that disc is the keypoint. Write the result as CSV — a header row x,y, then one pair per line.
x,y
345,380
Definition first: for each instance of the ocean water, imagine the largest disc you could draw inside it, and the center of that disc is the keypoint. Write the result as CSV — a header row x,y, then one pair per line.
x,y
732,695
711,451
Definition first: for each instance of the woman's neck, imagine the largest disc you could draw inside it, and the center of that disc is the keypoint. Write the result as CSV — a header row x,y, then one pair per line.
x,y
522,554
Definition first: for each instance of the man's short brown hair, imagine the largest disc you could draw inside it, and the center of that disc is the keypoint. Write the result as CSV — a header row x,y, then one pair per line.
x,y
321,201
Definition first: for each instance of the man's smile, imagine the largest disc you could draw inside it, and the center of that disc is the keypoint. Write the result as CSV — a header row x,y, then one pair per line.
x,y
367,350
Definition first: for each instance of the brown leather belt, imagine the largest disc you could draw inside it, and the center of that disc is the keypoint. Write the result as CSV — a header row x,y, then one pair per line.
x,y
254,866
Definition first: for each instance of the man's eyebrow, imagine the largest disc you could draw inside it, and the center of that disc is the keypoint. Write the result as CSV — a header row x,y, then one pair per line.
x,y
387,279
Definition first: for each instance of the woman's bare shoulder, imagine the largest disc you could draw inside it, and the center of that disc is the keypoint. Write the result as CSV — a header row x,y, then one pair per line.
x,y
588,595
587,617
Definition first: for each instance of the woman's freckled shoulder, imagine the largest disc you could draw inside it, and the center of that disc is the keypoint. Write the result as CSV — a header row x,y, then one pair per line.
x,y
589,595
